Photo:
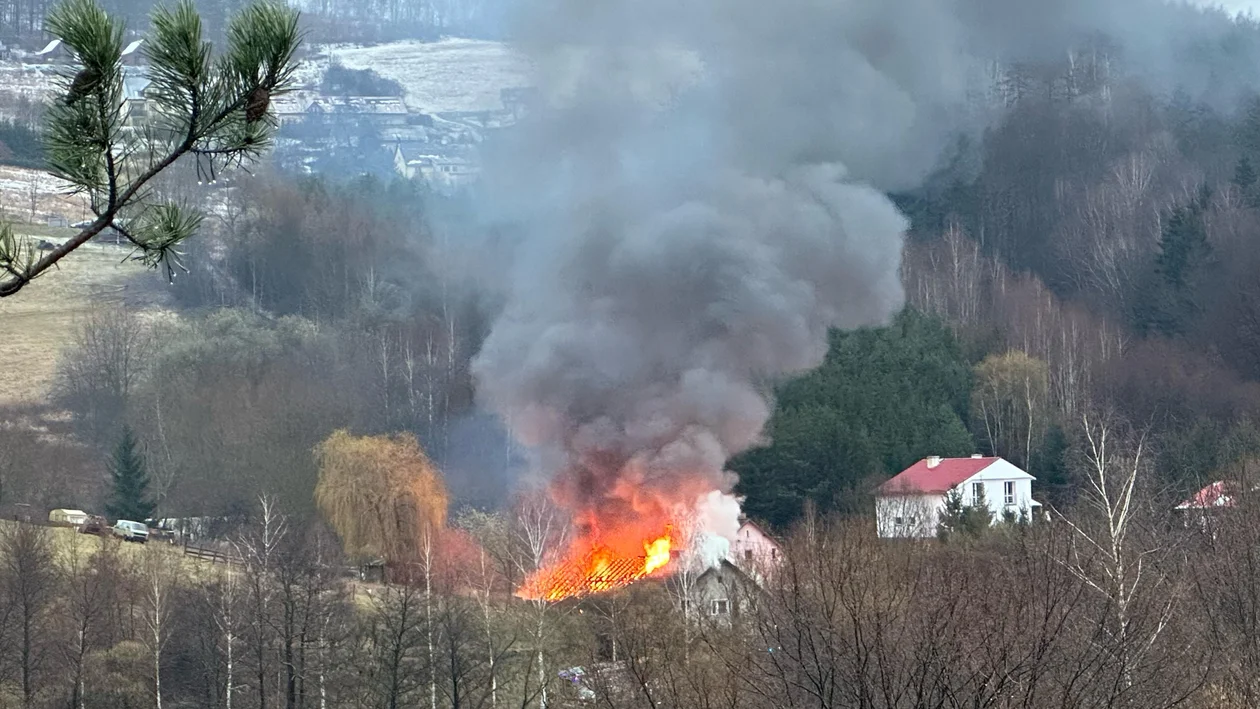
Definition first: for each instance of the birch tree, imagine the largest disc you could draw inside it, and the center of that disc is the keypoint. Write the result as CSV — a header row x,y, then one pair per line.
x,y
85,601
258,550
159,584
541,529
1116,553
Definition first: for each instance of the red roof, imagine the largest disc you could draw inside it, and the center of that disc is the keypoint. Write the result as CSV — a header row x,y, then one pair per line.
x,y
920,479
1218,494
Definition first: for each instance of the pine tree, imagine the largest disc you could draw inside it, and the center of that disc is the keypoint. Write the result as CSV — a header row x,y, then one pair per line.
x,y
129,496
953,516
210,106
960,519
1244,173
1168,300
977,517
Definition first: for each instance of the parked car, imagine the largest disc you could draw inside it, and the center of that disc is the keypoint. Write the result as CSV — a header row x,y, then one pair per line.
x,y
95,524
131,531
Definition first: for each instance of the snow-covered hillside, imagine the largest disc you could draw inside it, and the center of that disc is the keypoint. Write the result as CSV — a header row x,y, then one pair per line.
x,y
450,75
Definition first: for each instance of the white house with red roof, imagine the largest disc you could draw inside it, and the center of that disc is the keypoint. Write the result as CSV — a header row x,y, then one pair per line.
x,y
1219,494
910,504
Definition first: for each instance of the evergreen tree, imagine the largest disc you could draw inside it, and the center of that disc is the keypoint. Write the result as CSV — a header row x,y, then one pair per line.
x,y
883,399
1244,173
1168,302
1247,134
966,520
209,106
129,493
952,516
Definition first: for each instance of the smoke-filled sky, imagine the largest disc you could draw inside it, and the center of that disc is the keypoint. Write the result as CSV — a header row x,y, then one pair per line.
x,y
703,198
1251,6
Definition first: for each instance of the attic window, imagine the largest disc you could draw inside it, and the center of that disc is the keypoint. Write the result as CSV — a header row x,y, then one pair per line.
x,y
720,606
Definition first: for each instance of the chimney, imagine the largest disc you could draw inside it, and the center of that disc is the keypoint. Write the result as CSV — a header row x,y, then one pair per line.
x,y
976,455
933,461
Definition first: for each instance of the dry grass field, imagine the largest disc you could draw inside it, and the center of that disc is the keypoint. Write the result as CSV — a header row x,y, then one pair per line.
x,y
67,542
41,319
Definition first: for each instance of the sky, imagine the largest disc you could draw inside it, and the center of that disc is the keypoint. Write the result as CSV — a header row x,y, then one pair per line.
x,y
1252,6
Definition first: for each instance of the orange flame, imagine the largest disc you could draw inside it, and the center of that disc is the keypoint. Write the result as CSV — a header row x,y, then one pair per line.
x,y
597,570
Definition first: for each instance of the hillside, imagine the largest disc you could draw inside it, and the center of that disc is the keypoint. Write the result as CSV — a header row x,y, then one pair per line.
x,y
450,75
40,321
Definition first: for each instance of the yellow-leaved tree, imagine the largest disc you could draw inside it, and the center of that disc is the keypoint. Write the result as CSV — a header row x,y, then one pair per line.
x,y
381,494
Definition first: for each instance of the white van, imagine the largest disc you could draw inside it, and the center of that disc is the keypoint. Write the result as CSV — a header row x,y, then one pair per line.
x,y
131,531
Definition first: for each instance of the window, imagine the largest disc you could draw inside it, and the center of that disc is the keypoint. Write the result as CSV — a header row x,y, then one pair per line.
x,y
1009,492
977,493
720,606
748,555
898,521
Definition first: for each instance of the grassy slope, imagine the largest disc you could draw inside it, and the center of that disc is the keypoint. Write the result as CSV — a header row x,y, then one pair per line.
x,y
41,319
67,541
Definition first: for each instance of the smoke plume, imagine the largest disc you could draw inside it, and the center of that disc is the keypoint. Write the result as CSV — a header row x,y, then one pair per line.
x,y
698,200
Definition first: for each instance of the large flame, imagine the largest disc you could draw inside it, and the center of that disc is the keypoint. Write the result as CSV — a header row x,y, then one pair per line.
x,y
595,567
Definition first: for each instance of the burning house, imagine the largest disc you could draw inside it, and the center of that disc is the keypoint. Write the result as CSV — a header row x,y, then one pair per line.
x,y
688,215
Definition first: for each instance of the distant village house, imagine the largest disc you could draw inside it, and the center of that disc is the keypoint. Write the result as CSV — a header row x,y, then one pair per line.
x,y
910,504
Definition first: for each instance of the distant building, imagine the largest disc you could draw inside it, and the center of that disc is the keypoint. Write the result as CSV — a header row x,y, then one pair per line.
x,y
1213,502
723,592
380,111
67,518
910,504
444,168
135,97
753,548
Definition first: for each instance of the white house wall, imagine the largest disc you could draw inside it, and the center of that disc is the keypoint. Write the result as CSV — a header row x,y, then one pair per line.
x,y
908,516
753,550
994,477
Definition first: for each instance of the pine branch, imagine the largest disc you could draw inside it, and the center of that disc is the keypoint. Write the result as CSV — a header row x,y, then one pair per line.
x,y
213,108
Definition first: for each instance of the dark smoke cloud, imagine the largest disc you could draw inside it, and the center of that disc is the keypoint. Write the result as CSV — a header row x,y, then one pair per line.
x,y
703,198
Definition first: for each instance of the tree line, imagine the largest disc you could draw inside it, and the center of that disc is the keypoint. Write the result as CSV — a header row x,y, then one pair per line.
x,y
1112,604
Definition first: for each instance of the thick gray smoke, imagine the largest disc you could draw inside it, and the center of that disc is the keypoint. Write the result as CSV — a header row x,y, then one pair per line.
x,y
700,200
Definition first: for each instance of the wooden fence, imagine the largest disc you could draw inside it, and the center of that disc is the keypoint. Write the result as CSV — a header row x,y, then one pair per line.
x,y
210,554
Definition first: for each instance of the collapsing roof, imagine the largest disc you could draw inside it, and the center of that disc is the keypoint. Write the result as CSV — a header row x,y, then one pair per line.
x,y
597,572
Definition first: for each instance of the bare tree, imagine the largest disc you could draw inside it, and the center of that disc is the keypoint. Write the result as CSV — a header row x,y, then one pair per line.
x,y
85,599
159,582
29,583
258,549
1119,554
99,373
